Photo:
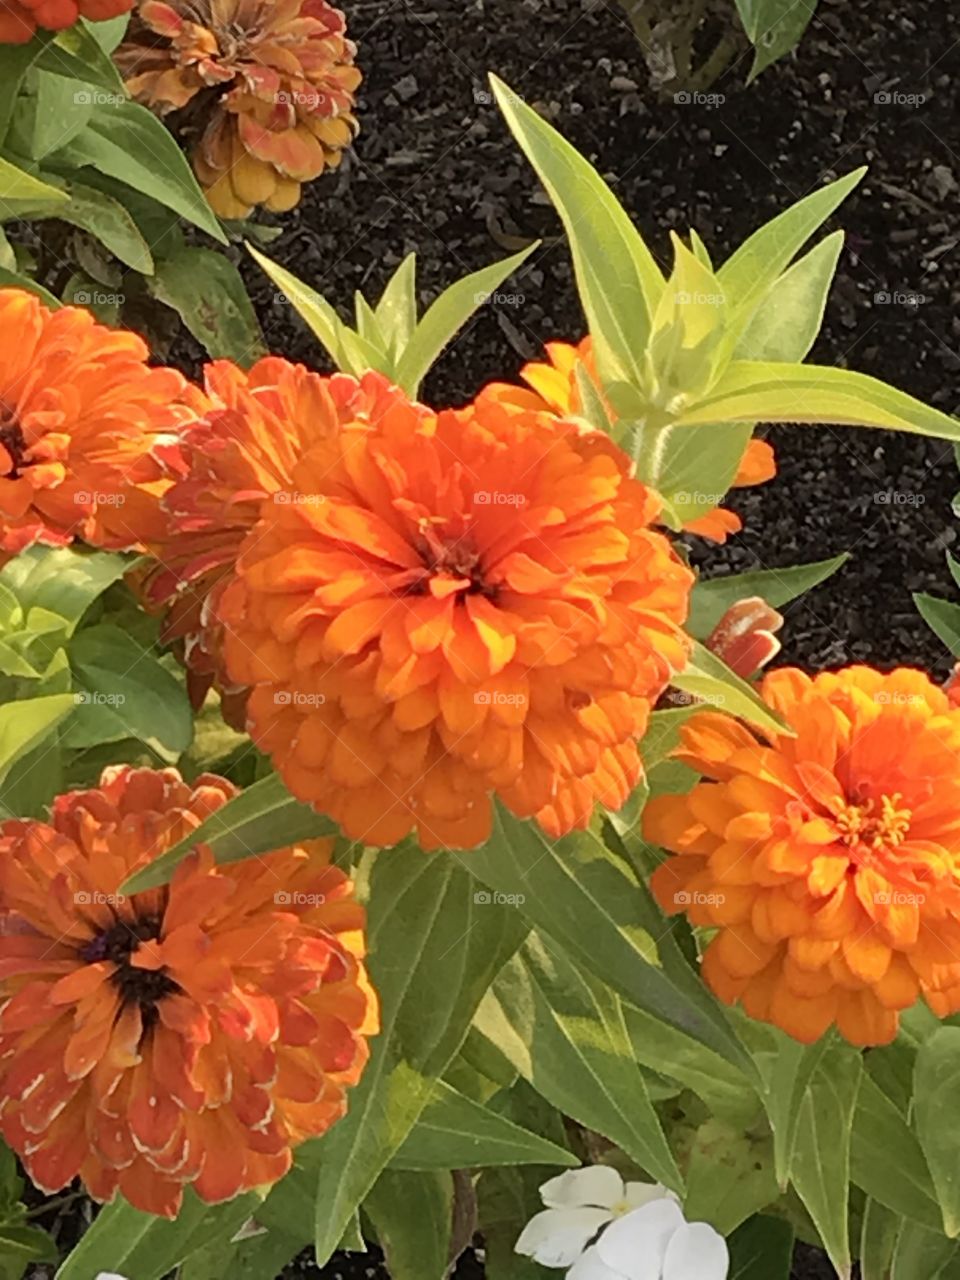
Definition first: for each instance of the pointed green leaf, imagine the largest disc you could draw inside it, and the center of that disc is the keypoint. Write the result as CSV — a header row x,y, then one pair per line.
x,y
786,1071
106,219
24,725
692,468
313,309
397,309
921,1253
707,677
761,1249
878,1239
17,184
759,392
936,1077
774,27
207,292
76,53
618,278
786,323
15,59
942,617
904,1184
412,1214
62,580
712,597
447,316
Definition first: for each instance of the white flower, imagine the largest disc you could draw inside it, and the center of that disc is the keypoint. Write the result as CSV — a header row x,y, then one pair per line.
x,y
109,1275
643,1234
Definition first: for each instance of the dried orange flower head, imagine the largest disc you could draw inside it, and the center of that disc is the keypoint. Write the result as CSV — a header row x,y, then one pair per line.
x,y
19,19
185,1036
242,449
80,416
829,862
553,386
441,609
265,90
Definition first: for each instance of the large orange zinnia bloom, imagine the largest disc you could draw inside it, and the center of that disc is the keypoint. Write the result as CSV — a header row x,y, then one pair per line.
x,y
830,861
80,416
552,385
447,609
256,426
186,1036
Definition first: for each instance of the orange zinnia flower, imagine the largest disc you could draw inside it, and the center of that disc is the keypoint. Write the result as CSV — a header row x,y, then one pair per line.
x,y
243,449
186,1036
264,86
830,861
445,609
553,386
80,416
19,19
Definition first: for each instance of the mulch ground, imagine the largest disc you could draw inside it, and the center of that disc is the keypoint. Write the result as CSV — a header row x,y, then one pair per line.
x,y
435,171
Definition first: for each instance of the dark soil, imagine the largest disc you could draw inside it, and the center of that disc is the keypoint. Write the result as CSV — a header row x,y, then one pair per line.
x,y
436,171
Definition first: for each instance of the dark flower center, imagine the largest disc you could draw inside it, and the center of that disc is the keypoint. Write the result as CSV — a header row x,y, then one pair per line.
x,y
145,987
457,559
11,437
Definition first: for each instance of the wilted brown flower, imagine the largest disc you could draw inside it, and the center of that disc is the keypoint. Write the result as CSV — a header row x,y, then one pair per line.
x,y
263,89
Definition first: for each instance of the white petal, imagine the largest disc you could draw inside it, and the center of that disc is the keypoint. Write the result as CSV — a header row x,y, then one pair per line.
x,y
635,1244
557,1237
640,1193
109,1275
590,1266
596,1184
696,1252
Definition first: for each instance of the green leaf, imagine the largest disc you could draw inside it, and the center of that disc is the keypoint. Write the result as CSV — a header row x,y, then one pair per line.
x,y
590,902
20,1246
15,59
729,1176
397,309
126,1241
936,1075
942,617
820,1163
76,53
774,27
206,291
878,1239
760,260
786,1072
454,1132
412,1214
51,115
712,597
62,580
126,141
107,220
565,1033
17,184
904,1184
707,677
24,725
761,1249
692,468
508,1199
12,280
954,567
618,278
445,317
261,818
124,692
757,391
313,309
434,950
785,325
921,1253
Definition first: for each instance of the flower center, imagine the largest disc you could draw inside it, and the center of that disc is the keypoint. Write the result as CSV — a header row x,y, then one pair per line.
x,y
146,987
12,439
456,559
873,825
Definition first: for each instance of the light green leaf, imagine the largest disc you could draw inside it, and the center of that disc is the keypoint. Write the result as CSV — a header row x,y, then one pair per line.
x,y
445,317
878,1239
774,27
368,326
954,567
590,902
712,597
434,950
921,1253
206,291
706,677
127,142
786,1071
618,279
904,1184
17,184
692,468
397,309
261,818
820,1162
314,310
565,1033
454,1132
729,1176
936,1077
412,1214
51,115
760,260
785,325
760,392
107,220
62,580
942,617
24,725
76,53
